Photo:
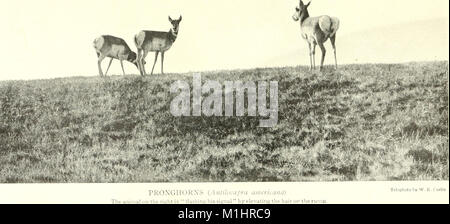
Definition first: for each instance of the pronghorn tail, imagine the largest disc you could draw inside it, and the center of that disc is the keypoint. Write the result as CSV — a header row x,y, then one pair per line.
x,y
335,25
137,42
95,45
98,43
329,25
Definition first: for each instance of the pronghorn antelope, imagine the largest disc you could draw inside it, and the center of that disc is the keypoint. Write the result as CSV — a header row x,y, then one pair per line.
x,y
316,30
157,42
114,48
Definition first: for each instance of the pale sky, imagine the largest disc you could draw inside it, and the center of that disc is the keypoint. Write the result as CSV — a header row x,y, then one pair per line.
x,y
53,38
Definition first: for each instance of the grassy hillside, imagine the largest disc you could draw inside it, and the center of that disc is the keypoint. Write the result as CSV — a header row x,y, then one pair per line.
x,y
363,122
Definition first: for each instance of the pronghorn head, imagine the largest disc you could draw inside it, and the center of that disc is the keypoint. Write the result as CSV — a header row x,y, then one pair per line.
x,y
175,24
301,12
132,57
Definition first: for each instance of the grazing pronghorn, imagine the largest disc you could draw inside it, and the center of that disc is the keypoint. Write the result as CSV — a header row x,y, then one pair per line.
x,y
316,30
157,42
115,48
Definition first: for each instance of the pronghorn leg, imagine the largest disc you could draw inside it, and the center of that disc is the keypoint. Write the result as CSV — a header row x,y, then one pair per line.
x,y
162,62
99,62
109,66
142,62
333,43
314,55
156,58
121,64
324,51
139,62
310,57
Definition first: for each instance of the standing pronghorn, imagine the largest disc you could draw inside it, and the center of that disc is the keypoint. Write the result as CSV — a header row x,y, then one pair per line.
x,y
155,41
115,48
316,30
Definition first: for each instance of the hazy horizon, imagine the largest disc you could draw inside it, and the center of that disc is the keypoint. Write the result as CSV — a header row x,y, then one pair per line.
x,y
49,38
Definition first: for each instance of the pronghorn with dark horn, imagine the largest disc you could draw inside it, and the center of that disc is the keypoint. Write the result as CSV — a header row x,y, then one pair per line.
x,y
316,30
155,41
114,48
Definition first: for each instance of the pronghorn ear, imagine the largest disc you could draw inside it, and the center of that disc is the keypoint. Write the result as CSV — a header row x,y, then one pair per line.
x,y
301,4
297,9
181,17
308,4
170,19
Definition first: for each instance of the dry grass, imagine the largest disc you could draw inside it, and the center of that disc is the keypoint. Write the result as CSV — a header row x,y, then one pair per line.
x,y
363,122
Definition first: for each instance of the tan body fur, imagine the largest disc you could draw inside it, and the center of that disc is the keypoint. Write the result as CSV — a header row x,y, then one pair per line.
x,y
316,31
114,48
155,41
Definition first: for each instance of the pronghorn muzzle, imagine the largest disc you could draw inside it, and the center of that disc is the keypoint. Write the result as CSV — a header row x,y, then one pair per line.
x,y
296,16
